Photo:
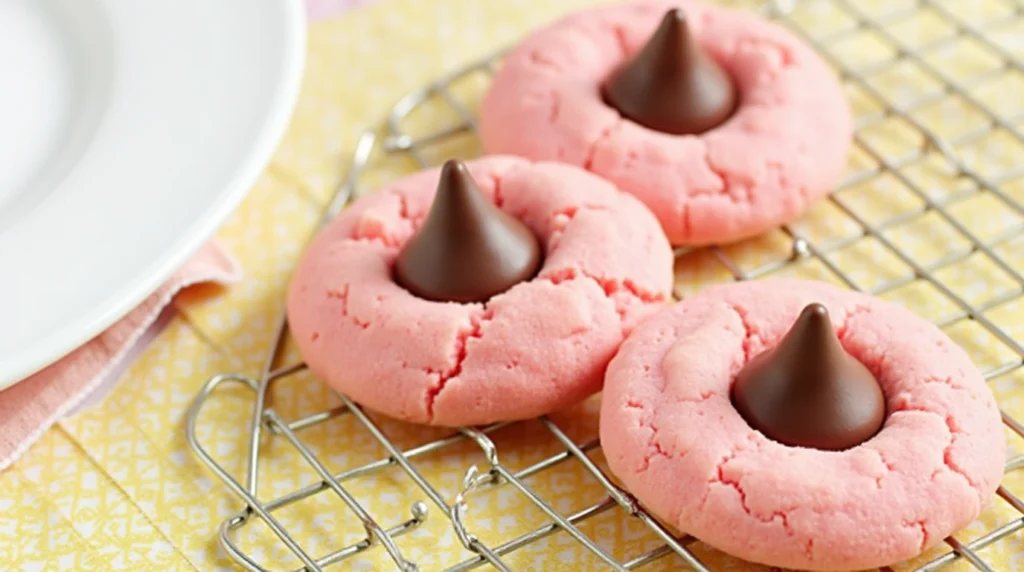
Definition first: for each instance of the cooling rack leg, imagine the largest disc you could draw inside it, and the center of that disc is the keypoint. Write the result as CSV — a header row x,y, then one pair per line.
x,y
253,505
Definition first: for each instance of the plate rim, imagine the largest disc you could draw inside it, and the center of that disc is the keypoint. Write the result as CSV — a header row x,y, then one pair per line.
x,y
17,369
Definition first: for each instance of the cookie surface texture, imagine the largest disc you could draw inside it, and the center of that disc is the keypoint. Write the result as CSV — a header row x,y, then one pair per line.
x,y
672,436
784,147
538,346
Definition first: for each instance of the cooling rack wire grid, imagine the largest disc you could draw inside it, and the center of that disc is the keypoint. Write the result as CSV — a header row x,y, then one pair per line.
x,y
931,207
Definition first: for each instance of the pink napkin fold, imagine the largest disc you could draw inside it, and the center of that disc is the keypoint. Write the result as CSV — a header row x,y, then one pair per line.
x,y
33,405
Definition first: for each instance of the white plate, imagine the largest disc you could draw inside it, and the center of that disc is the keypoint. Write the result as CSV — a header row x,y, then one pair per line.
x,y
128,131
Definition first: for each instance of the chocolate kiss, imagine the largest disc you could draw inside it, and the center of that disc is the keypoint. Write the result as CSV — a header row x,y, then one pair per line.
x,y
671,85
808,392
467,249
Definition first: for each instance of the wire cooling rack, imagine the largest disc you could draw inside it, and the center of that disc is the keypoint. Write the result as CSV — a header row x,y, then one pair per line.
x,y
963,180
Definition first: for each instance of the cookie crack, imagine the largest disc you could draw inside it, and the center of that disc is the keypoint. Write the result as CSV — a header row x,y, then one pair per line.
x,y
342,295
948,462
774,516
721,478
377,233
499,199
948,382
692,193
843,332
704,396
588,161
461,353
653,448
738,189
560,220
556,107
918,526
717,477
687,216
403,206
610,286
855,311
620,41
731,185
542,60
889,468
778,174
750,330
761,45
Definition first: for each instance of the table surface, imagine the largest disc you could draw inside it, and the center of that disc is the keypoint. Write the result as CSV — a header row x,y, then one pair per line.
x,y
117,487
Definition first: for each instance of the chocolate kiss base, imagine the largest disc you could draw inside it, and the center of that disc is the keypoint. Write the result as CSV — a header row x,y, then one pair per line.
x,y
808,392
468,249
671,85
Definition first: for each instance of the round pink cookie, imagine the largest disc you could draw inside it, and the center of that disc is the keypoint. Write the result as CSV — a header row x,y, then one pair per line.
x,y
785,145
540,345
671,434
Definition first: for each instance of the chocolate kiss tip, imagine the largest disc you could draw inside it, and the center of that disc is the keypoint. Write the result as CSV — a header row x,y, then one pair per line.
x,y
468,249
808,392
816,316
671,85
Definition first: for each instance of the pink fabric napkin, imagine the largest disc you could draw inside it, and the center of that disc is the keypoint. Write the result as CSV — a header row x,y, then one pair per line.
x,y
33,405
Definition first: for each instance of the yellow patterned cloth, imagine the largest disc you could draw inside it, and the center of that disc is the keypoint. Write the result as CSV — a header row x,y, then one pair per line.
x,y
117,487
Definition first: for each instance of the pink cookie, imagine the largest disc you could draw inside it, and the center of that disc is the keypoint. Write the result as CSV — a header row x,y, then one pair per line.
x,y
671,434
541,345
784,147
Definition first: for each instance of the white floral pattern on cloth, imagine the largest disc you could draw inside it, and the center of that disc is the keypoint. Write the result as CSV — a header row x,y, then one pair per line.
x,y
117,485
